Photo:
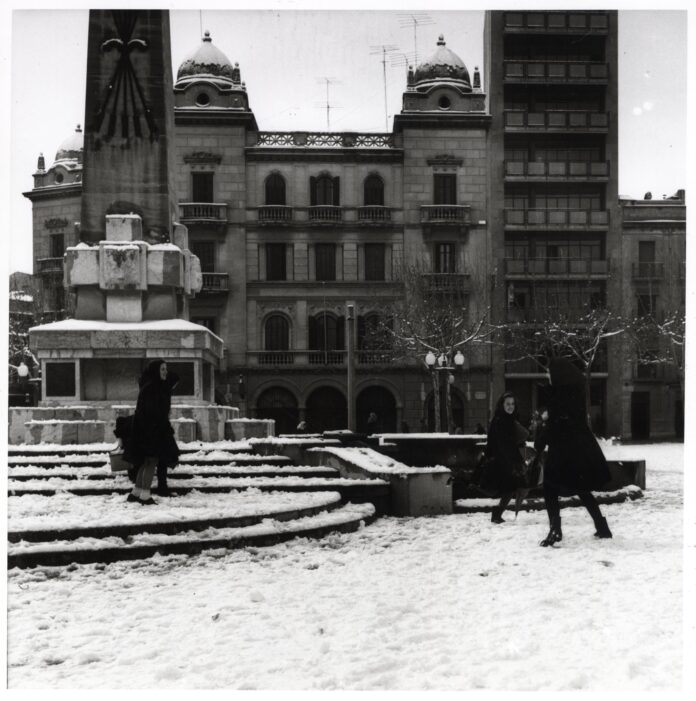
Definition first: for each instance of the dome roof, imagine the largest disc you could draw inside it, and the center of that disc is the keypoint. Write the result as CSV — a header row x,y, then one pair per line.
x,y
207,61
444,64
71,149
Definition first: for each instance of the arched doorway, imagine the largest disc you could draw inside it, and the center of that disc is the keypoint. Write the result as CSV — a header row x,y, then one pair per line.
x,y
382,402
326,410
279,404
457,411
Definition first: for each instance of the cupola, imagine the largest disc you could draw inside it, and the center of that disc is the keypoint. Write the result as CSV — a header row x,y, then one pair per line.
x,y
443,66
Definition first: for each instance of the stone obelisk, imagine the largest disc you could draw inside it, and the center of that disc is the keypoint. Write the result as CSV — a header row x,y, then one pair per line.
x,y
129,123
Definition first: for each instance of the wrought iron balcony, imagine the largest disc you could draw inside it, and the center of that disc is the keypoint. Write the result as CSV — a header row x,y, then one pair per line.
x,y
556,22
374,214
275,213
216,282
306,139
648,271
556,120
561,170
556,71
522,218
49,266
566,267
325,214
447,282
203,211
446,213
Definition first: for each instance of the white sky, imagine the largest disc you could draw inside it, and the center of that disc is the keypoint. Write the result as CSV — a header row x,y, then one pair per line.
x,y
284,54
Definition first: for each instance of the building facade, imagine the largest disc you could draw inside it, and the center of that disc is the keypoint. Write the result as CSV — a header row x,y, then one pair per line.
x,y
499,190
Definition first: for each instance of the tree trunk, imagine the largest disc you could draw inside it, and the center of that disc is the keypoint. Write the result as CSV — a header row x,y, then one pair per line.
x,y
436,400
448,404
588,405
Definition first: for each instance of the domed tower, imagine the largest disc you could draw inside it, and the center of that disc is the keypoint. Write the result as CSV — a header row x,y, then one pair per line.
x,y
207,81
67,165
442,84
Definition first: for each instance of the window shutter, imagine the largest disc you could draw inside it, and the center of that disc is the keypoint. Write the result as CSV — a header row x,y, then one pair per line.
x,y
312,191
336,191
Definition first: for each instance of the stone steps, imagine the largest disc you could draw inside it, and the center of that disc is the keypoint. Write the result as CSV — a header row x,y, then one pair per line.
x,y
345,519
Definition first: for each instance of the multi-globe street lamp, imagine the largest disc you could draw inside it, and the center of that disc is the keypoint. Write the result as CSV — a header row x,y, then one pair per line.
x,y
444,362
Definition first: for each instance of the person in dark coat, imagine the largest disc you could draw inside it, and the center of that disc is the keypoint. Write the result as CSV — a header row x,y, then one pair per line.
x,y
152,441
575,463
506,436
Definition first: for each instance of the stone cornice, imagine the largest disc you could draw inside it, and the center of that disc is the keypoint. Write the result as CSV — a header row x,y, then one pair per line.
x,y
54,192
184,116
332,155
420,120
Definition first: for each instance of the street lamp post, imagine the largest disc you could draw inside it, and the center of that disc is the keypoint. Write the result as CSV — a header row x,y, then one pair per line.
x,y
350,361
447,363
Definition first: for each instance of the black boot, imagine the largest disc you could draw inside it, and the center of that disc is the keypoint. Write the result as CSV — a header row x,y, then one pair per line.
x,y
497,516
602,528
555,534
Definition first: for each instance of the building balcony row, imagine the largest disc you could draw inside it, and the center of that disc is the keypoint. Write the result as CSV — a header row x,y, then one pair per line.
x,y
556,120
556,22
518,170
314,358
523,218
529,366
550,267
369,215
530,71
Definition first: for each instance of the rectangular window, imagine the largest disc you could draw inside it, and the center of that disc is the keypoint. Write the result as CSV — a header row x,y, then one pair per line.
x,y
186,381
325,261
374,261
444,258
646,251
210,322
60,379
444,189
205,250
276,261
57,245
202,187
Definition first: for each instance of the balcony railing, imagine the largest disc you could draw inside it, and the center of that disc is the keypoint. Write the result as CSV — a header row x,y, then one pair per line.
x,y
445,213
50,266
325,213
203,211
318,357
556,22
648,271
447,282
557,169
567,218
565,120
216,282
374,214
307,139
275,213
556,71
329,357
556,266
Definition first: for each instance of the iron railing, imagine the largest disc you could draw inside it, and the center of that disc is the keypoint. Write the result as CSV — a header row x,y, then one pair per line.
x,y
556,71
556,169
556,266
560,22
445,213
557,119
522,217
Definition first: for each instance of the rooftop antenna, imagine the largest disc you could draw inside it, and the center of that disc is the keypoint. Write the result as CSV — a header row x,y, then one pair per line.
x,y
384,49
200,21
415,19
328,81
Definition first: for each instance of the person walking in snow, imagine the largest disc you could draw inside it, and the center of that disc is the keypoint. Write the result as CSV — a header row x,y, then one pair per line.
x,y
152,436
506,435
575,463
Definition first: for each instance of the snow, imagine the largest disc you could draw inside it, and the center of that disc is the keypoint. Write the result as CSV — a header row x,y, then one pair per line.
x,y
37,512
372,461
448,602
84,325
272,440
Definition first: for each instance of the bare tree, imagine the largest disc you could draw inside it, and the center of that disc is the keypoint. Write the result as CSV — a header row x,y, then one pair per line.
x,y
435,315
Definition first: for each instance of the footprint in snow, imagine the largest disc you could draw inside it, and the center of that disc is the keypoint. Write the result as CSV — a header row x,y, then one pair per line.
x,y
606,563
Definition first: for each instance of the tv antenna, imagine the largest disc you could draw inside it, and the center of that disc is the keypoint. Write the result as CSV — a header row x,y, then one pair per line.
x,y
384,49
327,105
415,19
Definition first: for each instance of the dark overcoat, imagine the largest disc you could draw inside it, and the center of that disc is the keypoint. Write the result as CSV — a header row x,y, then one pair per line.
x,y
575,462
152,435
505,466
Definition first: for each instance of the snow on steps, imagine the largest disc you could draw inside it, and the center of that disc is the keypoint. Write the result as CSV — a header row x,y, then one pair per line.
x,y
346,519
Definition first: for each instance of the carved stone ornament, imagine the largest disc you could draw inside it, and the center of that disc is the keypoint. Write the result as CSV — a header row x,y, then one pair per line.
x,y
202,157
445,159
55,223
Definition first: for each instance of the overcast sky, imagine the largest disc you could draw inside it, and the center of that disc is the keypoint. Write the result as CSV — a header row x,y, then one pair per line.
x,y
285,57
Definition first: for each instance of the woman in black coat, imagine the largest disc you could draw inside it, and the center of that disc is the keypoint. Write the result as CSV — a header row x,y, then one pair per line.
x,y
152,437
575,463
506,436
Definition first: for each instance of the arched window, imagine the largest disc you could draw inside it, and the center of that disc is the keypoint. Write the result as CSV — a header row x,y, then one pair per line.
x,y
326,332
324,190
373,190
275,189
276,333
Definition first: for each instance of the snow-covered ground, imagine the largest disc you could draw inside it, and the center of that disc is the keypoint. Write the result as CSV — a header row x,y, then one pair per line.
x,y
451,602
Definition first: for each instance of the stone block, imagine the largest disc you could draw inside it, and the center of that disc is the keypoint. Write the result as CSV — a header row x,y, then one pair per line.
x,y
165,267
81,266
159,305
122,266
18,416
241,429
185,430
91,432
66,413
180,236
90,304
124,227
124,308
194,274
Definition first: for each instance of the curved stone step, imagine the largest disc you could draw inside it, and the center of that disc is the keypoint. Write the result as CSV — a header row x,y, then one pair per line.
x,y
346,519
322,501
